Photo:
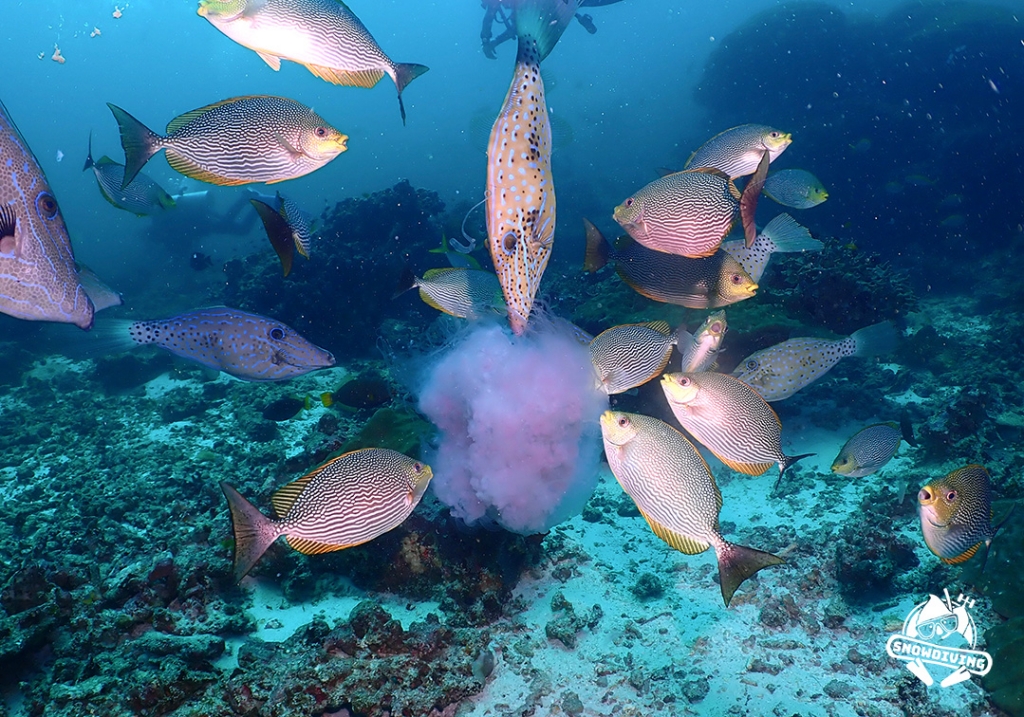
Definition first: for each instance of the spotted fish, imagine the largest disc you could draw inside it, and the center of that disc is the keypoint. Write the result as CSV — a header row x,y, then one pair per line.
x,y
247,346
780,371
675,492
630,355
737,151
956,513
323,35
457,291
38,278
699,350
706,283
348,501
781,235
256,138
520,191
288,228
142,197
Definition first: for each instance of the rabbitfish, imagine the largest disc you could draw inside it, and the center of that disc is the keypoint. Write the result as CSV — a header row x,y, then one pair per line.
x,y
457,291
795,188
630,355
700,349
868,450
141,197
738,151
956,513
782,235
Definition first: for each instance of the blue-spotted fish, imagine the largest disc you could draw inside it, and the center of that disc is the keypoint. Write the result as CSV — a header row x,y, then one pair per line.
x,y
699,350
38,278
256,138
142,197
288,227
738,151
675,492
348,501
781,235
323,35
247,346
780,371
956,513
520,191
795,188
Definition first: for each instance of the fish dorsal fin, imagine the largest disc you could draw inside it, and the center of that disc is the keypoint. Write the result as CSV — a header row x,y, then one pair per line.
x,y
431,273
313,547
661,327
189,168
180,121
285,496
349,78
680,542
962,557
750,469
106,161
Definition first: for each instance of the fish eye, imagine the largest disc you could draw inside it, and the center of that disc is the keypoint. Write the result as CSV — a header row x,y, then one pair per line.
x,y
277,333
629,202
417,467
951,496
751,365
774,135
684,381
509,243
623,422
321,131
736,279
46,205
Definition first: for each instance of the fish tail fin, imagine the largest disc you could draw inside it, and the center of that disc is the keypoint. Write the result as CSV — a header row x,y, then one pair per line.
x,y
539,25
785,463
598,248
106,338
875,340
88,157
907,429
139,143
406,282
254,532
167,201
278,232
748,200
787,235
736,563
406,72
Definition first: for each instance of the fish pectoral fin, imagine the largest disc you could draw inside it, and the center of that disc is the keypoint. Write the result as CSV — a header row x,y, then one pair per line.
x,y
313,547
962,557
350,78
750,469
680,542
273,60
292,150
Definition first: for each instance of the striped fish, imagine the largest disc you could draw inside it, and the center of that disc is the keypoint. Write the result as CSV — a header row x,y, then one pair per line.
x,y
457,291
38,278
781,370
738,151
288,228
348,501
675,492
257,138
520,195
322,35
689,213
795,188
142,196
956,513
700,350
729,419
782,235
247,346
630,355
707,283
868,450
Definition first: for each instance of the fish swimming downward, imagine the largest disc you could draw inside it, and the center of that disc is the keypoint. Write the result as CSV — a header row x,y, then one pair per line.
x,y
247,346
675,492
142,196
520,194
348,501
288,227
956,513
699,350
38,277
322,35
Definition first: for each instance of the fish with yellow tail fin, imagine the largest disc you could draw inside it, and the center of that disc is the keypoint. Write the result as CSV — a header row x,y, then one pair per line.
x,y
956,513
322,35
520,191
700,349
675,492
630,355
348,501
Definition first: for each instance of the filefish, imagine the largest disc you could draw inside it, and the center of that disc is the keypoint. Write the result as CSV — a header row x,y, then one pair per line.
x,y
730,420
288,228
707,283
256,138
520,195
689,213
142,197
322,35
348,501
869,449
782,235
247,346
956,513
630,355
699,350
463,293
780,371
795,188
675,493
738,151
38,278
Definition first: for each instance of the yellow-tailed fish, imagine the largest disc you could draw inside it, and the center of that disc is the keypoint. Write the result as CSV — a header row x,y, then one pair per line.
x,y
782,235
348,501
630,355
738,151
956,513
460,292
257,138
689,213
869,449
323,35
142,197
780,371
795,188
38,277
707,283
729,419
520,191
700,350
675,492
288,227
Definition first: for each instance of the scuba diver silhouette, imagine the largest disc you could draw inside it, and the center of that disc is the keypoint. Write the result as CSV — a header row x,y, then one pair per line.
x,y
502,11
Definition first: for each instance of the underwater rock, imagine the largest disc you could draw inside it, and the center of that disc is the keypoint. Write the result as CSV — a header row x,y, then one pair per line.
x,y
647,587
1005,685
568,624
